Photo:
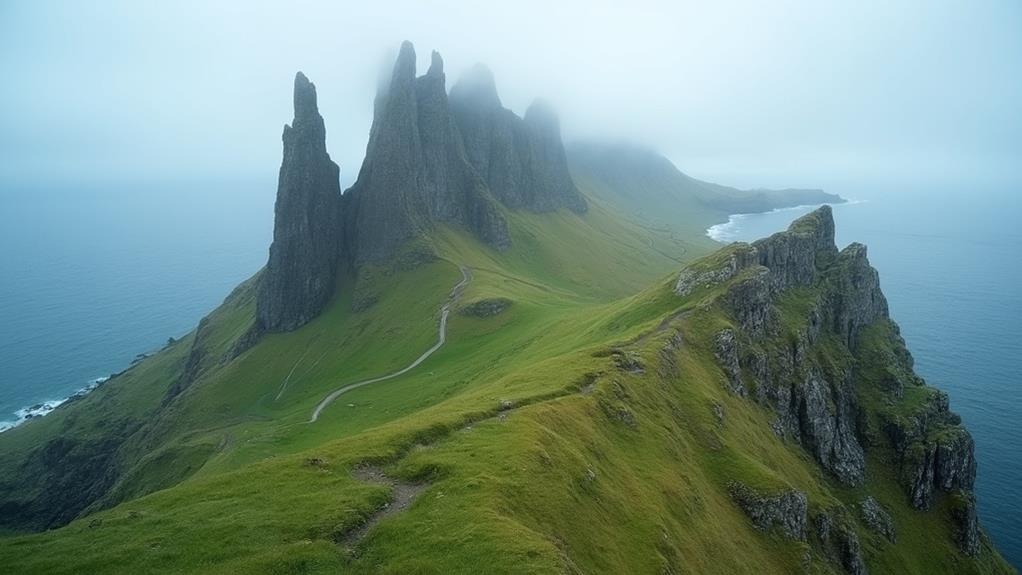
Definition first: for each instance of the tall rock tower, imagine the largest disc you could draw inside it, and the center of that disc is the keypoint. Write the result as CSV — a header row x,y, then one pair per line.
x,y
415,173
306,251
522,160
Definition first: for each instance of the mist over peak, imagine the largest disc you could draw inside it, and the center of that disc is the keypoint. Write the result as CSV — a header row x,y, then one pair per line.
x,y
736,91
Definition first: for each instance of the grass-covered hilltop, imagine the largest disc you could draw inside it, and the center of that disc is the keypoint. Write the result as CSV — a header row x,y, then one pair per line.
x,y
495,355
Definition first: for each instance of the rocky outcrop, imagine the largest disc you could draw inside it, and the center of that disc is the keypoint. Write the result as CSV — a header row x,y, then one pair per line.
x,y
826,413
304,256
935,452
692,278
965,523
877,519
415,172
853,298
485,307
815,404
785,510
811,325
726,352
792,256
521,160
839,541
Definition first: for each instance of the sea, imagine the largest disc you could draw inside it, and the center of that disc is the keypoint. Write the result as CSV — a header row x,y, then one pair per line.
x,y
93,276
950,264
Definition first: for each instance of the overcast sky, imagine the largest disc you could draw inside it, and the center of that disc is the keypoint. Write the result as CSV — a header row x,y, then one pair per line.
x,y
746,93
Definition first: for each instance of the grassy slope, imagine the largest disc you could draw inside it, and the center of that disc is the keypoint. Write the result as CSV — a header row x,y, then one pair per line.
x,y
647,185
597,469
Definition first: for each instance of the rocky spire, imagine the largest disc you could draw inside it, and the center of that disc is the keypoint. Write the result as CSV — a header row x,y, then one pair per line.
x,y
300,275
522,161
551,182
415,172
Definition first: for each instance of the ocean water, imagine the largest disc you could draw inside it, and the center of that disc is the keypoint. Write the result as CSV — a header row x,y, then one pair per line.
x,y
951,267
92,276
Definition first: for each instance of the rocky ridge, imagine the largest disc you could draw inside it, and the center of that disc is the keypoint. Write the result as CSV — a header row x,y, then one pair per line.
x,y
415,171
818,368
429,161
522,160
306,249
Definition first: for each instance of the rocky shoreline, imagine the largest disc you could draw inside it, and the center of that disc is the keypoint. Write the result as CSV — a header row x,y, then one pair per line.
x,y
45,408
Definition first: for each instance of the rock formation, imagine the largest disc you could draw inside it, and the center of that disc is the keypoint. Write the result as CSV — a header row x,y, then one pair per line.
x,y
299,277
814,405
785,510
840,543
415,172
877,518
817,397
522,160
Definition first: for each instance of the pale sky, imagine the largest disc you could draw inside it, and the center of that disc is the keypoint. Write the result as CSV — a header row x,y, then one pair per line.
x,y
746,93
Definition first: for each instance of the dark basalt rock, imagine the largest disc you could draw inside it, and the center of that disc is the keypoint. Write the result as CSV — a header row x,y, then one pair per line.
x,y
726,352
486,307
935,452
853,299
877,518
785,510
792,255
840,542
782,364
815,406
947,463
305,253
415,172
966,524
521,160
690,279
826,413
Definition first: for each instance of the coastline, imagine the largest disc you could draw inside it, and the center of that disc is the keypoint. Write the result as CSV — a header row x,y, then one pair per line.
x,y
44,408
727,232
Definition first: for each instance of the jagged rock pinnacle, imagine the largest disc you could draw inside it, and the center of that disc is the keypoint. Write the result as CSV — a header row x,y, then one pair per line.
x,y
476,88
522,161
415,173
436,65
404,66
299,277
304,98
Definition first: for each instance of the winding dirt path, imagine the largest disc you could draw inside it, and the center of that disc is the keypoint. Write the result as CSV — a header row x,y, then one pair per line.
x,y
466,276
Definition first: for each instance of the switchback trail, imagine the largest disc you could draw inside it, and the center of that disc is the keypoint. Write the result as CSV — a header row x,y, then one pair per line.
x,y
466,276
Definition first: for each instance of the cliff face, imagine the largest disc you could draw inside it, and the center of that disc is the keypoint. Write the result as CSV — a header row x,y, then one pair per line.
x,y
415,171
306,248
813,341
522,160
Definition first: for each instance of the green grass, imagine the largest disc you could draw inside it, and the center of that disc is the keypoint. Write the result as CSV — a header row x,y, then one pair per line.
x,y
596,469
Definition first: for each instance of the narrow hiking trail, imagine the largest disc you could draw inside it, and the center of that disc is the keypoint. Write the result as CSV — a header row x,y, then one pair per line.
x,y
466,276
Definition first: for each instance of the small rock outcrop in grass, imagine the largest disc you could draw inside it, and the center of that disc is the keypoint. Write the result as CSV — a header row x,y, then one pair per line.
x,y
877,518
485,307
785,510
